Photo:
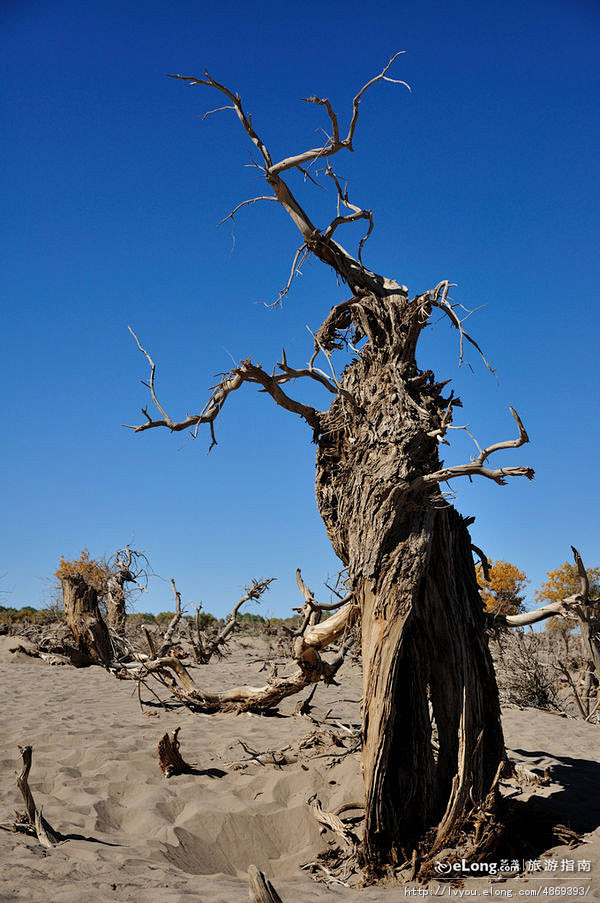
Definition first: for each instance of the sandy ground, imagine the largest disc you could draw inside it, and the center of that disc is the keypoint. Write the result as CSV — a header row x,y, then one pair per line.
x,y
132,835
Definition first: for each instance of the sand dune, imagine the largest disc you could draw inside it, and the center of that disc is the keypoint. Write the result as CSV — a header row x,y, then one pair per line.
x,y
132,835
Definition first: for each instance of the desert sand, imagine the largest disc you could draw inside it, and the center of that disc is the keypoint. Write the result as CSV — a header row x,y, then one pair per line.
x,y
132,835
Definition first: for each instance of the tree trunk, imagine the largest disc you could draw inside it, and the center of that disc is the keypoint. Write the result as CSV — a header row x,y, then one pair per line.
x,y
117,615
432,735
85,621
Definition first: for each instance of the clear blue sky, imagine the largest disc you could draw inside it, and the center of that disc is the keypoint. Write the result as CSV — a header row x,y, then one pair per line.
x,y
486,174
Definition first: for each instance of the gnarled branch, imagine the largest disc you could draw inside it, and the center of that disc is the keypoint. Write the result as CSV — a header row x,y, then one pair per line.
x,y
246,372
311,668
320,243
477,468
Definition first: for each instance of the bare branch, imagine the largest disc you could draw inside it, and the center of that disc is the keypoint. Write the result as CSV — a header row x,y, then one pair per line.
x,y
263,197
311,372
439,298
530,617
152,372
476,467
253,373
237,106
246,372
310,599
168,637
336,143
296,264
218,110
485,564
324,102
582,573
357,212
356,102
322,245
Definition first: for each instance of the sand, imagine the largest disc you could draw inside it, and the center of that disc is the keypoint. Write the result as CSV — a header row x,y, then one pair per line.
x,y
135,836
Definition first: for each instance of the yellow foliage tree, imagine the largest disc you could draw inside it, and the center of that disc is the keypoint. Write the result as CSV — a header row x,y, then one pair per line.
x,y
95,571
562,582
502,595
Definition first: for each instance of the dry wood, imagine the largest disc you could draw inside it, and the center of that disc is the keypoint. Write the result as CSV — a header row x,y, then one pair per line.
x,y
253,592
117,616
34,821
311,668
333,822
169,757
260,889
85,621
168,637
426,665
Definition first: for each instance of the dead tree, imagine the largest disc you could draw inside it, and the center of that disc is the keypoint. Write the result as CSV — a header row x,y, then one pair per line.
x,y
204,647
85,622
126,569
311,667
408,552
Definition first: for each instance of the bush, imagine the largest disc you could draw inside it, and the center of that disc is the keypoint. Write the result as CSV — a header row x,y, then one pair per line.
x,y
141,617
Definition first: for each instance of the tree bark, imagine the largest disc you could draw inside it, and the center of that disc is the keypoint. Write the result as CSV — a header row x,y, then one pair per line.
x,y
85,621
117,615
432,737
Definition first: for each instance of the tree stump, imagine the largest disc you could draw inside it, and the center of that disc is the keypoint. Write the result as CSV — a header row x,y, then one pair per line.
x,y
169,757
85,621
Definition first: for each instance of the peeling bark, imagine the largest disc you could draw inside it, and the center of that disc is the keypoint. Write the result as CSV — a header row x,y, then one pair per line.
x,y
426,665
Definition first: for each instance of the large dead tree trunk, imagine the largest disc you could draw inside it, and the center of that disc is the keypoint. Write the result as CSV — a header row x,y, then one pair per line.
x,y
85,621
433,742
426,664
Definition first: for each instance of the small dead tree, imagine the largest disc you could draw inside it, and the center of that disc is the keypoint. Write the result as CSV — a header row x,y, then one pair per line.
x,y
85,622
129,565
408,551
206,647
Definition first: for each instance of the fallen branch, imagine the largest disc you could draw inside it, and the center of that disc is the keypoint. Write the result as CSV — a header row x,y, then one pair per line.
x,y
311,669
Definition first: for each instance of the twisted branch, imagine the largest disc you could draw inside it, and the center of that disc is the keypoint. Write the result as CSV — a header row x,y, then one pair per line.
x,y
319,243
246,372
476,467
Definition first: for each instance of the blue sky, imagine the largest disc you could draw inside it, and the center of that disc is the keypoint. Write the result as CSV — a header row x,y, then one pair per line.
x,y
112,185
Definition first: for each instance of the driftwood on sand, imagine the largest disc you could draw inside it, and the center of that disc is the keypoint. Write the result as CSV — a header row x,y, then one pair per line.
x,y
169,758
260,889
